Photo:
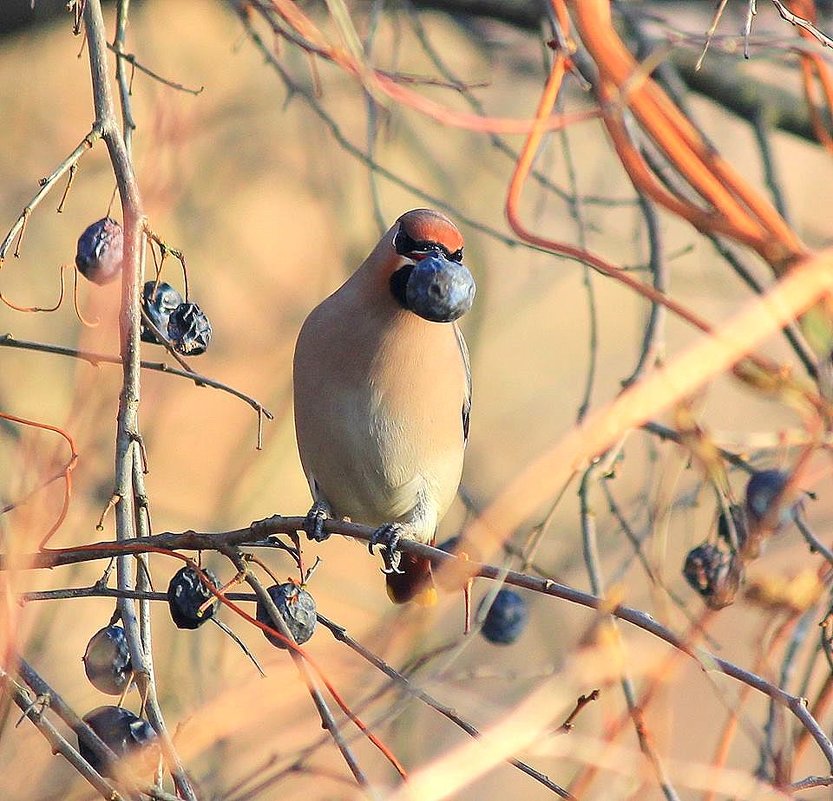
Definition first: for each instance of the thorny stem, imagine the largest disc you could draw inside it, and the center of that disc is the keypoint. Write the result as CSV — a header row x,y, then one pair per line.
x,y
127,435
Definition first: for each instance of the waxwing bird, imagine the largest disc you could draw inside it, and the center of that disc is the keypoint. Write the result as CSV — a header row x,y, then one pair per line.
x,y
382,388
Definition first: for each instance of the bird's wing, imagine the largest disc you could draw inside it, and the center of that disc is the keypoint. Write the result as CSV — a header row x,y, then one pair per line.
x,y
464,352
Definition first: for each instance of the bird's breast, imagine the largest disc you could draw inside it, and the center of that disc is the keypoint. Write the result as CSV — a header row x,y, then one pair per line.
x,y
379,418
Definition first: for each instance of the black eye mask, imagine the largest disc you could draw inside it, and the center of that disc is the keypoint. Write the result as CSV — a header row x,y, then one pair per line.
x,y
405,245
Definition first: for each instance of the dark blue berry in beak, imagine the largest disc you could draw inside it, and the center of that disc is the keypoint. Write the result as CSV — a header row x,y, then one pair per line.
x,y
439,290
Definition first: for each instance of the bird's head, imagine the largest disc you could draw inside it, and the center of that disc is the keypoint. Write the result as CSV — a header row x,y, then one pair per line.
x,y
423,232
429,278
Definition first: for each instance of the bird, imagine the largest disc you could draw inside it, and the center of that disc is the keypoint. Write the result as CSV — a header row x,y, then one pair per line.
x,y
382,395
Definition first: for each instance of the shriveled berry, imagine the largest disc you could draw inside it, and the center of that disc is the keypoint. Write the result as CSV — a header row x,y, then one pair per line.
x,y
762,490
122,731
189,329
506,618
107,660
439,290
187,595
715,573
738,518
99,254
158,306
296,606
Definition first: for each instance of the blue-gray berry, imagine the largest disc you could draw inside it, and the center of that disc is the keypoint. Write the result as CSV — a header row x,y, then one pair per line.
x,y
158,306
107,660
506,618
439,290
100,250
122,731
763,488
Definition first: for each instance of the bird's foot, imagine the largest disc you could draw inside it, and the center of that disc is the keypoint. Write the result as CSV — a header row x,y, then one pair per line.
x,y
314,523
388,536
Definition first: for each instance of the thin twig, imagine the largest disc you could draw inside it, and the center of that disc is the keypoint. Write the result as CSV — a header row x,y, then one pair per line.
x,y
58,743
46,185
130,58
654,336
810,782
498,142
327,719
816,545
664,432
315,105
404,683
127,433
593,565
9,341
792,330
802,23
761,127
767,752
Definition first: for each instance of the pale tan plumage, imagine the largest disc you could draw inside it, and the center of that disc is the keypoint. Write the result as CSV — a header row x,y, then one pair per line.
x,y
382,399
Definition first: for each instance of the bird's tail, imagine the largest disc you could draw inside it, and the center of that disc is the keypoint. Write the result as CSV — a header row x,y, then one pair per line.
x,y
414,583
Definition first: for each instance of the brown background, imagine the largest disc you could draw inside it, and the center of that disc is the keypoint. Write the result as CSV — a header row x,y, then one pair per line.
x,y
272,214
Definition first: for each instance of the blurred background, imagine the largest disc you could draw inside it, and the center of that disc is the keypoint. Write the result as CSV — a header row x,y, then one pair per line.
x,y
268,192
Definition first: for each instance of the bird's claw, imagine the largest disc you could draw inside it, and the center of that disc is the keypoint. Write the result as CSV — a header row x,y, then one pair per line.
x,y
388,536
314,522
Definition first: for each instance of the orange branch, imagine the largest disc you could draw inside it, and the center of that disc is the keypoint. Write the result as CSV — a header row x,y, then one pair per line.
x,y
737,210
813,64
310,38
57,305
67,471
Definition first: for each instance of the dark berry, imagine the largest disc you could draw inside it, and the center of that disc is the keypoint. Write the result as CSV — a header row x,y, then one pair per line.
x,y
187,594
724,532
296,606
107,660
506,618
715,573
99,256
761,491
158,306
439,290
121,730
189,329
